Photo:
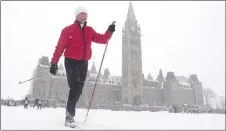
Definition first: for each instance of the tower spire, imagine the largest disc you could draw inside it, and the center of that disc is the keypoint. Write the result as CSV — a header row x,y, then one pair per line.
x,y
130,14
149,77
93,68
160,77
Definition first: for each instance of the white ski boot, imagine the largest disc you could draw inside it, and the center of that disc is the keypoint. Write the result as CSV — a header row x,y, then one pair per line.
x,y
70,121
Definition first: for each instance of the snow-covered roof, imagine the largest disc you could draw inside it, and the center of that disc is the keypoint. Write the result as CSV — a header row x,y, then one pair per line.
x,y
182,78
152,80
150,87
93,75
184,84
114,80
44,65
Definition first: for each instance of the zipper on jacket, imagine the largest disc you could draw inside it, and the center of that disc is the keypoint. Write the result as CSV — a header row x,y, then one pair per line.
x,y
84,42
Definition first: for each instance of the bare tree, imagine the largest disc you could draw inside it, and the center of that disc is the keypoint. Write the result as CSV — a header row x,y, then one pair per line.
x,y
222,102
208,94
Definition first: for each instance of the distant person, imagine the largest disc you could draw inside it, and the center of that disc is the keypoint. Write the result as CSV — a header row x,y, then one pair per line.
x,y
174,107
75,41
36,102
26,103
40,104
8,103
5,102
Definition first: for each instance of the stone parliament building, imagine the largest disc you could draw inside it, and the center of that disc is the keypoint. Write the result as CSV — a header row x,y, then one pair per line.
x,y
130,88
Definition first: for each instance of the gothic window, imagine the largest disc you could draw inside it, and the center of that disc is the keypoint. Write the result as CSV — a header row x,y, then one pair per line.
x,y
126,89
134,42
134,83
134,55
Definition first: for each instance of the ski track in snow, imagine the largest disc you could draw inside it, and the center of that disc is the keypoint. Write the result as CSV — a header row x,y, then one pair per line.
x,y
53,119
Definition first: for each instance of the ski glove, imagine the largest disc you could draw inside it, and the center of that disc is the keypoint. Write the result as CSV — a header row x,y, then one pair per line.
x,y
53,69
111,28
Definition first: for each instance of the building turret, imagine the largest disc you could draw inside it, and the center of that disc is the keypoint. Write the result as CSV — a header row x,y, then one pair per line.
x,y
93,69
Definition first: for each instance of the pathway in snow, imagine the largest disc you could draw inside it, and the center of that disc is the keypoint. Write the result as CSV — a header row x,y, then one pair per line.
x,y
18,118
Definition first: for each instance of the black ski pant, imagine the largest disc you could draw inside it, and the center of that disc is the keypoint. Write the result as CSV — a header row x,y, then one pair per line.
x,y
76,71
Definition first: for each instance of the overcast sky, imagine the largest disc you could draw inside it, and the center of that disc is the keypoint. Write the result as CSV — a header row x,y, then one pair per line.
x,y
180,36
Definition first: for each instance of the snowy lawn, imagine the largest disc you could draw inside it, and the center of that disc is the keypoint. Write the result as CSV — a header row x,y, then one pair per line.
x,y
18,118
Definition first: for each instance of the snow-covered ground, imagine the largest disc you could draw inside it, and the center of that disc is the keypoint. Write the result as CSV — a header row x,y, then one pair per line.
x,y
21,119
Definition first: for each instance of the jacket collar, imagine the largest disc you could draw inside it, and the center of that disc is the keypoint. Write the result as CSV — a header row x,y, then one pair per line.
x,y
78,23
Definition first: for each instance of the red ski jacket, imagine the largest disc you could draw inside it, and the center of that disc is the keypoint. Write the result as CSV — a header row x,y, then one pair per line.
x,y
76,42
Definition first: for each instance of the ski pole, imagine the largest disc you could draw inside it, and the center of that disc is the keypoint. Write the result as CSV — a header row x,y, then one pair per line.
x,y
30,79
97,77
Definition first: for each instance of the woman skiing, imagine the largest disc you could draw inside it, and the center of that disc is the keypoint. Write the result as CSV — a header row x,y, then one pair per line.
x,y
75,41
